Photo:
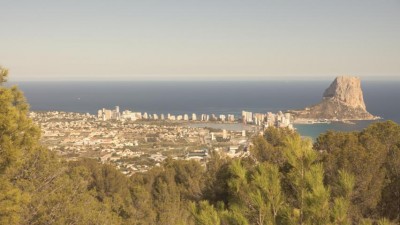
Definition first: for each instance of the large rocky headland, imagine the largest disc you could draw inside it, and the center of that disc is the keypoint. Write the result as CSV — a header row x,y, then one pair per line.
x,y
342,100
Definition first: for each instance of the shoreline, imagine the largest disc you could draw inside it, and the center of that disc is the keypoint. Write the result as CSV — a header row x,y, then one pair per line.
x,y
312,121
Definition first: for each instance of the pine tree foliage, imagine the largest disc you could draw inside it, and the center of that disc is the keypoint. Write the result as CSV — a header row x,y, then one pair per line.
x,y
373,157
204,214
306,175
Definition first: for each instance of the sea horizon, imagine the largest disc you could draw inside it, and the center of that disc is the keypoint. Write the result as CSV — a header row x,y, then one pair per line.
x,y
277,78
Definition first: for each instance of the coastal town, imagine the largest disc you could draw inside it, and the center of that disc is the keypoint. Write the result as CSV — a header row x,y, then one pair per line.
x,y
135,141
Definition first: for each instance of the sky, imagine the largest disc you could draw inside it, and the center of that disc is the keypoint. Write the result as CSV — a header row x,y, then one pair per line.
x,y
95,40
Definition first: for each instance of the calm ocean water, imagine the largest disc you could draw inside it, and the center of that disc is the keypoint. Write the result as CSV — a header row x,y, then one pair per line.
x,y
381,98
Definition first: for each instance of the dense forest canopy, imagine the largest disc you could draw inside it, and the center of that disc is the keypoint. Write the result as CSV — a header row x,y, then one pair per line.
x,y
343,178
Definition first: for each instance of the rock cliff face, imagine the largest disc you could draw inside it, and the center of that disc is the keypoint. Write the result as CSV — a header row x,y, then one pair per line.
x,y
342,100
347,90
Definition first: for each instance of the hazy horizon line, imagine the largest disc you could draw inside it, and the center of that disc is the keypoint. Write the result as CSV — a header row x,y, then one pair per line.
x,y
287,79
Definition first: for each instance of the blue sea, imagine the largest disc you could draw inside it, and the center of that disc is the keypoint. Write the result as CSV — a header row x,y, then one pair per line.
x,y
223,97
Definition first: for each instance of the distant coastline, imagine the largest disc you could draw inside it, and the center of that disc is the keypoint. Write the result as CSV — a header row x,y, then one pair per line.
x,y
310,130
328,121
206,97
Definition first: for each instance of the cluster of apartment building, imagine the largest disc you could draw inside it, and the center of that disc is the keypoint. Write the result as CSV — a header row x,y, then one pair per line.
x,y
109,114
279,119
269,119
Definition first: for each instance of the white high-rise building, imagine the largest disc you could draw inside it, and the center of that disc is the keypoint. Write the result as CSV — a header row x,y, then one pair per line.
x,y
194,117
138,115
128,115
100,114
260,117
247,117
271,119
106,114
224,134
186,117
145,116
117,115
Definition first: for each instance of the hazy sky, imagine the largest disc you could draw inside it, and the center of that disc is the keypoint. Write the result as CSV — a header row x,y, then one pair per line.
x,y
199,40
